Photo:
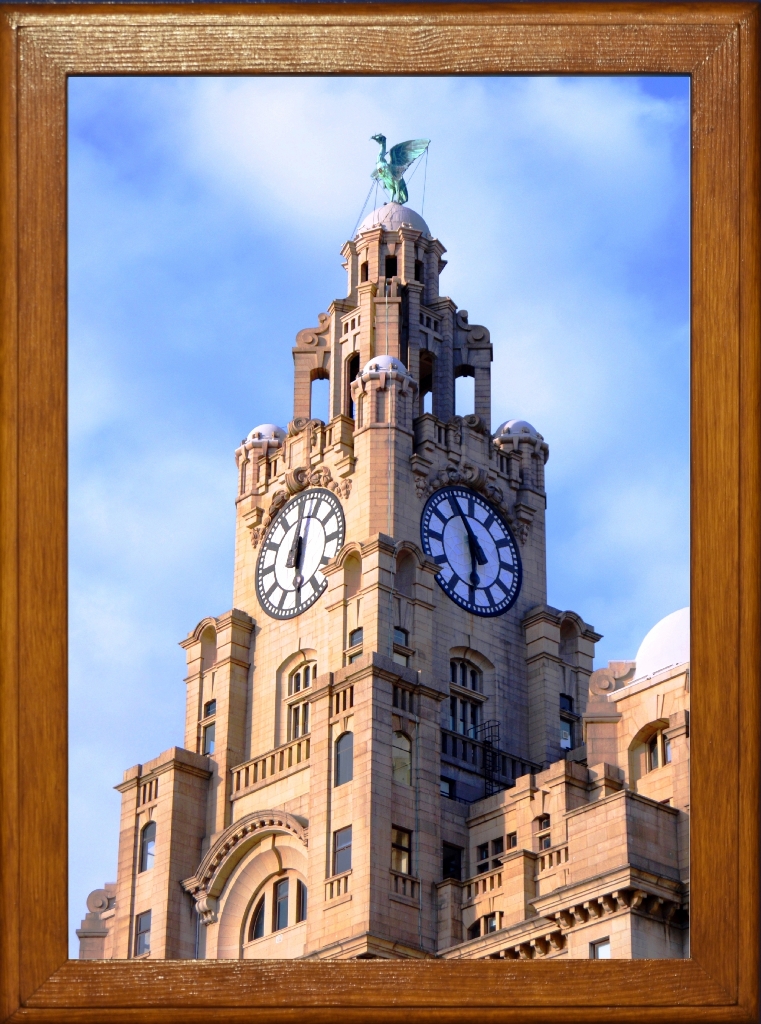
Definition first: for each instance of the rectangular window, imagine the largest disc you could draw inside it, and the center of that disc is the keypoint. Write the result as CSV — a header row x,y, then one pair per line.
x,y
490,923
295,723
401,843
210,708
342,850
143,933
545,842
497,846
474,932
512,840
401,659
356,636
301,902
208,738
482,852
463,717
666,749
281,905
304,719
474,709
391,266
452,858
403,699
566,702
453,713
401,636
566,734
652,748
355,657
447,787
599,950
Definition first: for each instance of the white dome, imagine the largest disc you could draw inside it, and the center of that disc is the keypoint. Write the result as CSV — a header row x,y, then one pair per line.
x,y
392,216
385,364
516,427
266,432
667,644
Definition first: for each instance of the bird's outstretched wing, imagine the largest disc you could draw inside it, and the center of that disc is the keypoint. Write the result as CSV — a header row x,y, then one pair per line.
x,y
402,154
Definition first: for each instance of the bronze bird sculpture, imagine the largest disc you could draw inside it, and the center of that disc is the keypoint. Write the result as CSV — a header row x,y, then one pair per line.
x,y
391,166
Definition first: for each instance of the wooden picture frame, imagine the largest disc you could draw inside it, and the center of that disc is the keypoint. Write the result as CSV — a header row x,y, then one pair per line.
x,y
717,44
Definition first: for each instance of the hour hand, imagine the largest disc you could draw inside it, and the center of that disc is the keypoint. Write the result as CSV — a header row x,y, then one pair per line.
x,y
476,550
293,559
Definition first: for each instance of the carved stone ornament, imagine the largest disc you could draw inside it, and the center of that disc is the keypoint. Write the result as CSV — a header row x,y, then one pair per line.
x,y
310,336
519,518
297,480
235,842
206,908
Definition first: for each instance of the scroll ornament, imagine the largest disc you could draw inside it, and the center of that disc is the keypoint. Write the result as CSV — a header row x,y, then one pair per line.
x,y
469,475
297,480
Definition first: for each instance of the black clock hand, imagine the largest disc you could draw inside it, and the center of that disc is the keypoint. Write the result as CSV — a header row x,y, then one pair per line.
x,y
476,550
293,555
298,579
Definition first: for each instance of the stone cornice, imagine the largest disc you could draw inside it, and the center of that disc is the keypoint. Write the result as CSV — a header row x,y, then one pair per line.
x,y
173,763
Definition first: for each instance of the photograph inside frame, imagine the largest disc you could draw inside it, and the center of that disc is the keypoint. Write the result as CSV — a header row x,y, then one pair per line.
x,y
431,695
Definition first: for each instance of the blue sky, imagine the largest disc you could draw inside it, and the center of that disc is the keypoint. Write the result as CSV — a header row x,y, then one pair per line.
x,y
206,218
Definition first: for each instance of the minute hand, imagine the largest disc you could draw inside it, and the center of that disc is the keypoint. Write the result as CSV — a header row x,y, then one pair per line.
x,y
475,547
294,555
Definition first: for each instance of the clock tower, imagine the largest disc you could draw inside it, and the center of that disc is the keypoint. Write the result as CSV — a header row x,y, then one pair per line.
x,y
390,669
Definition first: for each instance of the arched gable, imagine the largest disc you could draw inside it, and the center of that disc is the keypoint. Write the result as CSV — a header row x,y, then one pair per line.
x,y
221,858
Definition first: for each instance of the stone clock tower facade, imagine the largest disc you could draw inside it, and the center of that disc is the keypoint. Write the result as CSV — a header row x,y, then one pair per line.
x,y
384,737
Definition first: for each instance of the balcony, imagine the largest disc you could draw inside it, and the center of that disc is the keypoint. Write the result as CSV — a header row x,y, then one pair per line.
x,y
277,763
483,757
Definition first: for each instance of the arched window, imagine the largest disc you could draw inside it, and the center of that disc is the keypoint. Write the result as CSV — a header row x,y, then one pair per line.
x,y
464,674
147,846
208,648
280,908
353,575
352,369
256,928
568,637
344,758
302,678
319,400
404,578
426,382
650,749
401,758
464,391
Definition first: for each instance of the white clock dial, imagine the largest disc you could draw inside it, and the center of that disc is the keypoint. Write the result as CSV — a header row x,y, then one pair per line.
x,y
304,537
469,539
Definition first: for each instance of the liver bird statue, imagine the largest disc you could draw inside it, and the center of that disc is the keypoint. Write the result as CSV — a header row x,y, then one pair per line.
x,y
391,166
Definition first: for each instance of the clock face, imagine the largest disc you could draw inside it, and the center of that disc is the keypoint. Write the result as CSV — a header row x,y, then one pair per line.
x,y
304,536
469,539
